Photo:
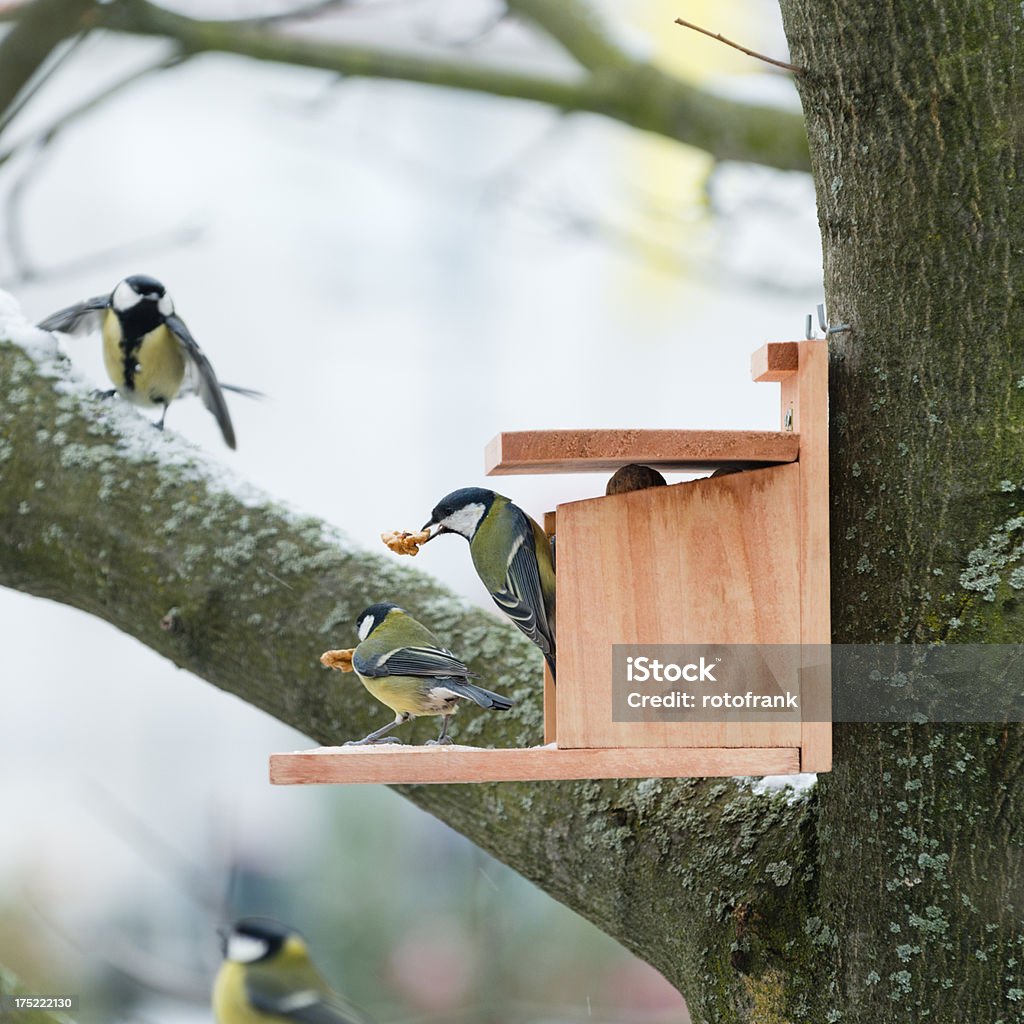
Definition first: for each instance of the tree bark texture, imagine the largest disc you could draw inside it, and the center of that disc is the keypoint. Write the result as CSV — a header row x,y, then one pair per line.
x,y
914,116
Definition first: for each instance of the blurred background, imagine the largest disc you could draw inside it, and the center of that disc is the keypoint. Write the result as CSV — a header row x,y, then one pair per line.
x,y
406,272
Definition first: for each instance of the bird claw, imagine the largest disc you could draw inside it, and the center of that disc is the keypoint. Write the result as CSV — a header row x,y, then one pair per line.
x,y
100,393
446,742
371,743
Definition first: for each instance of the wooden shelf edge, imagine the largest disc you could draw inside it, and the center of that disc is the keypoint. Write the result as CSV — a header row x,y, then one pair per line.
x,y
413,765
775,361
597,451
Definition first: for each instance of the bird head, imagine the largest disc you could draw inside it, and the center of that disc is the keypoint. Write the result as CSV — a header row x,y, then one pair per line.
x,y
372,617
255,939
139,288
460,512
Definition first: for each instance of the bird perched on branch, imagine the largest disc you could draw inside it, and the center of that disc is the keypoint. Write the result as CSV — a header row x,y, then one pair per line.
x,y
150,356
267,976
511,555
401,663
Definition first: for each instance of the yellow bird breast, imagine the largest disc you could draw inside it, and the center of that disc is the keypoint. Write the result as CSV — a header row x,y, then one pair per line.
x,y
150,370
410,695
230,1004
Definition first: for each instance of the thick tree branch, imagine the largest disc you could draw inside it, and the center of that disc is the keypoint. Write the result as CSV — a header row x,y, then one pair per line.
x,y
577,27
700,878
613,85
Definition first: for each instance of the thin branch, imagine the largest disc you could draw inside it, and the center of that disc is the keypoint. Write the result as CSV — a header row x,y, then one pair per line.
x,y
24,269
38,28
743,49
47,72
628,91
46,135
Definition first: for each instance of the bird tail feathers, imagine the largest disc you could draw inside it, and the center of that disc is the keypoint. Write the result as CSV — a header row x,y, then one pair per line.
x,y
478,695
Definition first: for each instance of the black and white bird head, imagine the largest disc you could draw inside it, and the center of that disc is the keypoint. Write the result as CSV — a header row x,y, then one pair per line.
x,y
460,512
142,302
372,617
253,939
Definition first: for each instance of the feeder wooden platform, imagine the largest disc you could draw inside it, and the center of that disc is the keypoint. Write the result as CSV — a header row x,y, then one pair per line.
x,y
738,559
390,763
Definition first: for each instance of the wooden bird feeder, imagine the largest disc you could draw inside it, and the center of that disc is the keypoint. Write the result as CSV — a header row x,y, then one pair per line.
x,y
738,559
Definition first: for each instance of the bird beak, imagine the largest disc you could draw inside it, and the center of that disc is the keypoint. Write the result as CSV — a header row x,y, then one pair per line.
x,y
432,530
222,934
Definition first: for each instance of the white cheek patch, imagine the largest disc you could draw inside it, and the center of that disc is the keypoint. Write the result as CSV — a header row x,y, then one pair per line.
x,y
165,305
245,949
125,297
365,626
465,520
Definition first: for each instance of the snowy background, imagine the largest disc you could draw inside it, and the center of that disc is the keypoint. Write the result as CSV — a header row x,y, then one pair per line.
x,y
532,271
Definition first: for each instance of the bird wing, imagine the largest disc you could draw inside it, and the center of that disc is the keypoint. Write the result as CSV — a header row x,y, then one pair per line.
x,y
314,1004
200,378
81,318
522,599
410,661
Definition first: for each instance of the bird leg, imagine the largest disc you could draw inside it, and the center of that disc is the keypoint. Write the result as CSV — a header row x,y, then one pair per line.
x,y
163,416
443,739
375,737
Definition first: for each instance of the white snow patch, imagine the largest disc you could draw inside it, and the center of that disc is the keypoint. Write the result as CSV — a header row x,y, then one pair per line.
x,y
799,785
40,345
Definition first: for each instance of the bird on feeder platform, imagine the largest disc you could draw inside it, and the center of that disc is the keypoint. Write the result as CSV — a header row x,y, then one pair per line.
x,y
401,663
511,554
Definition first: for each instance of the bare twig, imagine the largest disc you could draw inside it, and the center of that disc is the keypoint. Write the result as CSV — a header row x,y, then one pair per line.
x,y
46,135
743,49
24,269
46,72
38,28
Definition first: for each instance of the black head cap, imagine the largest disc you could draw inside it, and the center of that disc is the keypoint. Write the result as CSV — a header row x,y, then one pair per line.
x,y
143,284
370,618
253,939
451,503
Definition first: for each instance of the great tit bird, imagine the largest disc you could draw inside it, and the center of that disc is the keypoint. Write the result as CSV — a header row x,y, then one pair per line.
x,y
267,975
150,356
511,555
401,663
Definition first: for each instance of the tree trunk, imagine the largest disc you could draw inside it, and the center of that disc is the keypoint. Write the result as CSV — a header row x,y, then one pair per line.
x,y
914,119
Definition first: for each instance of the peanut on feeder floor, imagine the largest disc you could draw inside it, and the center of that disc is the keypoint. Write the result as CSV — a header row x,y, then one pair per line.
x,y
404,543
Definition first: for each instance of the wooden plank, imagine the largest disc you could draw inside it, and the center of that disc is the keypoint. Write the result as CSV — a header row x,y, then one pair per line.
x,y
597,451
393,764
775,361
711,561
806,393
